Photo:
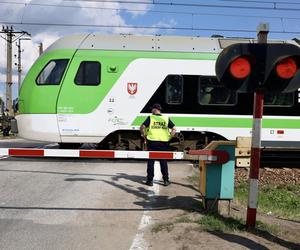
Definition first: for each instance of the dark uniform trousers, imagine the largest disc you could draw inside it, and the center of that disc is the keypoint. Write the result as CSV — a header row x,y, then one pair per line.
x,y
157,146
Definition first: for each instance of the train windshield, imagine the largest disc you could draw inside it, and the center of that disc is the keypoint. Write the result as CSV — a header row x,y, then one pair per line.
x,y
52,73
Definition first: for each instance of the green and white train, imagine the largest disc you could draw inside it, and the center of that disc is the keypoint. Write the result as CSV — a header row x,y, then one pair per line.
x,y
92,88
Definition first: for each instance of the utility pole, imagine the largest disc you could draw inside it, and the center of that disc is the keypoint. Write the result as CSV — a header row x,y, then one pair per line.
x,y
11,36
19,63
41,49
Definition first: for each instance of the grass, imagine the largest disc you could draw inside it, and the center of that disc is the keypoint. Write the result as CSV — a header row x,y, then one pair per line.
x,y
219,223
271,228
194,179
215,223
163,226
283,201
184,219
280,200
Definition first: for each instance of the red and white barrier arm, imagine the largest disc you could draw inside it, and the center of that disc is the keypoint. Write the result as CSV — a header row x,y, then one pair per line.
x,y
217,156
211,156
81,153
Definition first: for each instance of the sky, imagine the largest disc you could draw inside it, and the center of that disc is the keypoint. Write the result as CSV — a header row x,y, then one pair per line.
x,y
45,20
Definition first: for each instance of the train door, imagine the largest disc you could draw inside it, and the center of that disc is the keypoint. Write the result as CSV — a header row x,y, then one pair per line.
x,y
41,85
79,97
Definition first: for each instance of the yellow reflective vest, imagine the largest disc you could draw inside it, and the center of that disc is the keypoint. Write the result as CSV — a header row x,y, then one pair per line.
x,y
158,129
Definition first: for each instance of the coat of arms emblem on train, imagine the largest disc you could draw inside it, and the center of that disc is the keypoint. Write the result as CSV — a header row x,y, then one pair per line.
x,y
132,88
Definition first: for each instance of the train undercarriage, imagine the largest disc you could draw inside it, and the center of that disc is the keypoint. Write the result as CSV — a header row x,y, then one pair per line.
x,y
132,140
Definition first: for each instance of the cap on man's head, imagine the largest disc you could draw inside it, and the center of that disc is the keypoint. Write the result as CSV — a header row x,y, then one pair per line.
x,y
156,106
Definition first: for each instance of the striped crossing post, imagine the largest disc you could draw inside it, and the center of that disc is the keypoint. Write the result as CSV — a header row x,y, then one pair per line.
x,y
258,108
255,158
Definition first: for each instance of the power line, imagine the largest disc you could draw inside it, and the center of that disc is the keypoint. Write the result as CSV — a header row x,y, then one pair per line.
x,y
149,27
144,27
257,1
188,4
151,11
274,3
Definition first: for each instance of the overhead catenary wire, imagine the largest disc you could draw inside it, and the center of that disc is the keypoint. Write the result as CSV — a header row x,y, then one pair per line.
x,y
257,1
22,22
274,3
275,7
144,27
151,11
157,1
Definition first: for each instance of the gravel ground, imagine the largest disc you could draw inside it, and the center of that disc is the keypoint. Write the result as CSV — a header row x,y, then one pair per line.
x,y
277,176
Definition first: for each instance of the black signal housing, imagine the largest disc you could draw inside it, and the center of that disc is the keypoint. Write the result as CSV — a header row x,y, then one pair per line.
x,y
273,67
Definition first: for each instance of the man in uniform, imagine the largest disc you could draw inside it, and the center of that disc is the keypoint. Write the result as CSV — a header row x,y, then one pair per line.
x,y
160,129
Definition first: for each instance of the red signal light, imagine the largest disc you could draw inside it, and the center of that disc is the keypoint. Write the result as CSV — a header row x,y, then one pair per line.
x,y
286,68
240,67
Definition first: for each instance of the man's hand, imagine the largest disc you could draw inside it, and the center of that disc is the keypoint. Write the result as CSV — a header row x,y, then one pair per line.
x,y
173,131
143,134
144,137
142,130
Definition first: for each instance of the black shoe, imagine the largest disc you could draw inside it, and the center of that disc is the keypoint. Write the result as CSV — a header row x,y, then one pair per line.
x,y
149,183
166,183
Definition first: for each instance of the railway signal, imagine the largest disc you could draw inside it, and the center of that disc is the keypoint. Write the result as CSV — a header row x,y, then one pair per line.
x,y
258,67
248,67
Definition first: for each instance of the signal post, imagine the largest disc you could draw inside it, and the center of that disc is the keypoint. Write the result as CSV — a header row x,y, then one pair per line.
x,y
258,109
256,68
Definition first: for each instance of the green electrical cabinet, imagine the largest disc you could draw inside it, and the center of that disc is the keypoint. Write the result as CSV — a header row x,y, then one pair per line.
x,y
217,179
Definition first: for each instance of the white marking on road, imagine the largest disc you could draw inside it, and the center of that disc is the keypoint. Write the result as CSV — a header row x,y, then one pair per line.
x,y
139,243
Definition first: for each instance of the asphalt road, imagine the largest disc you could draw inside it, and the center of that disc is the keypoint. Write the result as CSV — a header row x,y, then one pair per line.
x,y
82,204
21,143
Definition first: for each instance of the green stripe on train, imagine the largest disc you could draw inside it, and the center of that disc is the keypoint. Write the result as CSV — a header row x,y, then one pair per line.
x,y
84,99
226,122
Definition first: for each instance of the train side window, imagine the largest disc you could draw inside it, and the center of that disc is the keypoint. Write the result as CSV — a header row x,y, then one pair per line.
x,y
53,72
174,89
88,74
210,92
279,99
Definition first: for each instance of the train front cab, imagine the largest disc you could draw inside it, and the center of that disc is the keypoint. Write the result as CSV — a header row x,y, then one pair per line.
x,y
62,83
38,96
